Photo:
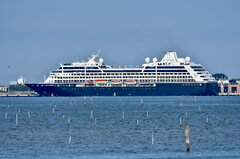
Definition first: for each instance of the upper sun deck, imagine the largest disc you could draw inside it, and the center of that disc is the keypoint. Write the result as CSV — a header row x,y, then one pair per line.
x,y
170,60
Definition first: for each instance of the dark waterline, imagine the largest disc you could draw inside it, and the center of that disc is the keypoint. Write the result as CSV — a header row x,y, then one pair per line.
x,y
46,133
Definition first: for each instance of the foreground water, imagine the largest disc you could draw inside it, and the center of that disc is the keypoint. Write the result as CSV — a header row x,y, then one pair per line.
x,y
119,127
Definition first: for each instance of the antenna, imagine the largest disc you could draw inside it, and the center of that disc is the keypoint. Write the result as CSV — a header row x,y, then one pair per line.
x,y
94,56
98,51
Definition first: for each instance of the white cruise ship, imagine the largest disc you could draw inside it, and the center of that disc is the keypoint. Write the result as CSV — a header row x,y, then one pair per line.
x,y
171,76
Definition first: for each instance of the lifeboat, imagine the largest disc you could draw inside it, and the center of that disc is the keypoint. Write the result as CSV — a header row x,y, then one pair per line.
x,y
116,81
101,81
89,82
131,81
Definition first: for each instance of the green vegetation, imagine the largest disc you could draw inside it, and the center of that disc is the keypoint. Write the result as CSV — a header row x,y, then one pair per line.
x,y
19,87
220,76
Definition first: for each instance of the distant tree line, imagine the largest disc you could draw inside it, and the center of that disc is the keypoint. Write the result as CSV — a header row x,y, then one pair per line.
x,y
220,76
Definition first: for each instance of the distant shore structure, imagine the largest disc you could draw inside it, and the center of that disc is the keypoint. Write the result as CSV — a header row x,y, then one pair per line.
x,y
3,88
171,76
229,87
16,89
21,81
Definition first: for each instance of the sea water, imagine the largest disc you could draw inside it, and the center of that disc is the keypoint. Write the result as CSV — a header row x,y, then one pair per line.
x,y
98,129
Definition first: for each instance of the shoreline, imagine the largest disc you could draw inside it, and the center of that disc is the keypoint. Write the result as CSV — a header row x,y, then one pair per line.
x,y
19,94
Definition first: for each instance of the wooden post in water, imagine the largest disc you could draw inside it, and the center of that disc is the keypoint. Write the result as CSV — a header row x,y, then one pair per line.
x,y
68,121
187,136
123,115
6,115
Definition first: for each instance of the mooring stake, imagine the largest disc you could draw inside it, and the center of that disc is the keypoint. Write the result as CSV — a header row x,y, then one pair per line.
x,y
187,136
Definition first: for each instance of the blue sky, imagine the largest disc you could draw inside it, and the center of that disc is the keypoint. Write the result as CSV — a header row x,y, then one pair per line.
x,y
35,36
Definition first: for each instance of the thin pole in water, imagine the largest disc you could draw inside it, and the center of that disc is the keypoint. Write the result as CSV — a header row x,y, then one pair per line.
x,y
186,116
84,100
123,115
180,121
95,121
29,116
91,114
207,118
91,100
187,136
199,109
53,110
70,139
141,102
137,122
226,121
147,114
68,121
16,119
6,114
152,138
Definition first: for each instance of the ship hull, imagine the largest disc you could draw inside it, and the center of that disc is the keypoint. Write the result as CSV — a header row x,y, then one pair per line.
x,y
160,89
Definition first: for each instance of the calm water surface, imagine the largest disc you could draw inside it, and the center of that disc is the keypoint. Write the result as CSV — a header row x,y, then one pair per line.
x,y
98,129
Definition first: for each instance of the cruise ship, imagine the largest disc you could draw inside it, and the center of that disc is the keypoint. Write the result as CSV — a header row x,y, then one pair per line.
x,y
170,76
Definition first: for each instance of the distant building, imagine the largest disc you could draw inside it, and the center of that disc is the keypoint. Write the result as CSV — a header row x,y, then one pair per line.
x,y
234,86
235,81
3,88
13,83
229,86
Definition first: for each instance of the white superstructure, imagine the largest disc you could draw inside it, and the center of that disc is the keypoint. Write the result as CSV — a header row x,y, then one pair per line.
x,y
170,69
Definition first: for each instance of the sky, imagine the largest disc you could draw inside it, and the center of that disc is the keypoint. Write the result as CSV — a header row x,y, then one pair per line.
x,y
36,36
